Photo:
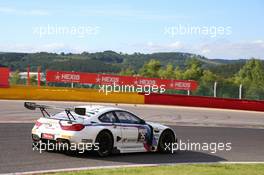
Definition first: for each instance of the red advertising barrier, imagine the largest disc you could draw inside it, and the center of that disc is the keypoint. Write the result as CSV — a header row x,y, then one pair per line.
x,y
107,79
71,77
199,101
4,75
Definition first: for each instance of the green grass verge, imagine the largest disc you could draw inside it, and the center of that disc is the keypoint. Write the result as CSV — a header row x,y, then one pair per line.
x,y
193,169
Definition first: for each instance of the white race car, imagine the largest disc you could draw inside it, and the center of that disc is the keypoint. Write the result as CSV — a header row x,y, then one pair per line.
x,y
109,129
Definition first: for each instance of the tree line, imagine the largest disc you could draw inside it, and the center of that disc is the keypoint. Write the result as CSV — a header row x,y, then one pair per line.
x,y
250,76
228,74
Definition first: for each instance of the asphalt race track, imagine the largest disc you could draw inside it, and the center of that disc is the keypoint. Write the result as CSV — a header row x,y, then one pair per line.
x,y
14,112
17,154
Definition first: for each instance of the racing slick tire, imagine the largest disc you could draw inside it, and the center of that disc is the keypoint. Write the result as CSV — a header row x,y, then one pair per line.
x,y
105,143
166,140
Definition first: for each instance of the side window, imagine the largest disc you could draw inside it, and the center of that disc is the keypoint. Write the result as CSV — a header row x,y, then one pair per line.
x,y
108,118
125,117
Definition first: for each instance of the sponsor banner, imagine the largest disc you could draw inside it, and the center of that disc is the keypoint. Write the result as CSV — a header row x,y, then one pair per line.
x,y
108,79
72,77
153,81
4,76
184,85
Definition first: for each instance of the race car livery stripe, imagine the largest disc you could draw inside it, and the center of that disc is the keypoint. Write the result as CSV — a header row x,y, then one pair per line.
x,y
118,124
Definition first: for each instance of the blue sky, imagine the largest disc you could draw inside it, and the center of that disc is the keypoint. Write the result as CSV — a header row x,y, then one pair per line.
x,y
134,26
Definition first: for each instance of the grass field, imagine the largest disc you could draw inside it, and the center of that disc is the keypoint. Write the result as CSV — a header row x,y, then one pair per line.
x,y
192,169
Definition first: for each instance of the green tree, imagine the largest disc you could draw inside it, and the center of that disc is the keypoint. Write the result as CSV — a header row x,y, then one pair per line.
x,y
15,78
252,71
168,72
128,71
178,73
206,83
227,88
151,69
208,77
193,71
33,80
251,76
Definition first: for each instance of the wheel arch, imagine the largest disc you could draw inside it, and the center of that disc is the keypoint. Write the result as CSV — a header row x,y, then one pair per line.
x,y
106,130
170,130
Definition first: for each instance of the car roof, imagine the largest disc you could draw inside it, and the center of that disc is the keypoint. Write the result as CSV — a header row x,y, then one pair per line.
x,y
97,110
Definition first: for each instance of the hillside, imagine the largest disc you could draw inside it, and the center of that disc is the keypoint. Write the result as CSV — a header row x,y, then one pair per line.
x,y
109,61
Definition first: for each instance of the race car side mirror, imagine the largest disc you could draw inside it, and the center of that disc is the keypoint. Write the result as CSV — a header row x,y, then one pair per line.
x,y
80,111
30,105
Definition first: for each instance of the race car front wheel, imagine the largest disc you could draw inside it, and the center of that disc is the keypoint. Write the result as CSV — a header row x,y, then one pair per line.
x,y
105,143
166,140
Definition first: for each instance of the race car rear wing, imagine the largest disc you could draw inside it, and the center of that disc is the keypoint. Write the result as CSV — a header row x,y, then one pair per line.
x,y
43,109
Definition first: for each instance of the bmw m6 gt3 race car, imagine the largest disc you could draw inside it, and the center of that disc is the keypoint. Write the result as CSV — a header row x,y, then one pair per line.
x,y
112,129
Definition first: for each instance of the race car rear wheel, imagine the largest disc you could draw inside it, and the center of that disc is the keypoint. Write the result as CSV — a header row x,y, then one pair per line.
x,y
165,141
105,143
